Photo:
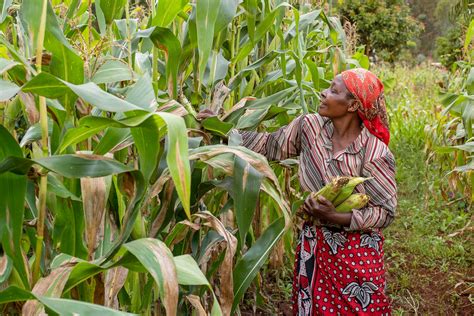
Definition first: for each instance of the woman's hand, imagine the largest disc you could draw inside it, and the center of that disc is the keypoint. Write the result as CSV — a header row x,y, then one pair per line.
x,y
326,212
320,208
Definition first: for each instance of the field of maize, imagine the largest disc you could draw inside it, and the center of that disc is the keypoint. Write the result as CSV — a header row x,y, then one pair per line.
x,y
119,194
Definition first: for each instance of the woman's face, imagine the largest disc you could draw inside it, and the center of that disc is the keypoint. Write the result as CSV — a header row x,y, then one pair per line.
x,y
335,101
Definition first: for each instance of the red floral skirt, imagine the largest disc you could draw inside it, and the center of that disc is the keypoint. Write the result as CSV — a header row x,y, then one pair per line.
x,y
339,273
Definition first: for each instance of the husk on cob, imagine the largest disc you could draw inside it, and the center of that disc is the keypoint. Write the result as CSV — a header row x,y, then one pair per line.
x,y
332,189
347,190
339,191
355,201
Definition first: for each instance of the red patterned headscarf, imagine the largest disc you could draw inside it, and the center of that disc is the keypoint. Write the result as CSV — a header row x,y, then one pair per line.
x,y
368,90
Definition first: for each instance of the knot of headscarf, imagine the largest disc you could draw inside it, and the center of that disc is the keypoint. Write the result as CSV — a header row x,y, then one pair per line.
x,y
368,90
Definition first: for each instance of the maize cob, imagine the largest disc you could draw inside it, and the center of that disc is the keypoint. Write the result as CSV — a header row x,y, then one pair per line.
x,y
355,201
347,190
332,189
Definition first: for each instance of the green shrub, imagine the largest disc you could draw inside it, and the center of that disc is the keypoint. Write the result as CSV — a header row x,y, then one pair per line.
x,y
384,26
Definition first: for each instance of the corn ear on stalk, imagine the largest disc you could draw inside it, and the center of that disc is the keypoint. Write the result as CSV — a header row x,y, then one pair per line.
x,y
355,201
332,189
347,190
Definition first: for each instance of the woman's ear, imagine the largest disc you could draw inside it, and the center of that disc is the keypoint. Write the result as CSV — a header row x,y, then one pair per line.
x,y
353,105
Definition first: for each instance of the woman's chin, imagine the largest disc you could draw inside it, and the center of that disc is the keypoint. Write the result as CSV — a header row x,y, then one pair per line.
x,y
322,111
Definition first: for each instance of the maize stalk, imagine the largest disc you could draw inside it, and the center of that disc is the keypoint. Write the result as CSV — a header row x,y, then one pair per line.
x,y
355,201
348,189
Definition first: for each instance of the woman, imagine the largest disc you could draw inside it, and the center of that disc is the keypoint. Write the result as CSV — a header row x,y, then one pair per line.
x,y
339,265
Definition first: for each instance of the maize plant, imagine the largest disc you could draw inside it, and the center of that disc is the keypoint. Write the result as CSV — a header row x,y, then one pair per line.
x,y
452,137
116,196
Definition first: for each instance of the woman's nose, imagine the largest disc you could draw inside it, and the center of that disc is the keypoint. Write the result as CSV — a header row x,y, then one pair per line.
x,y
323,94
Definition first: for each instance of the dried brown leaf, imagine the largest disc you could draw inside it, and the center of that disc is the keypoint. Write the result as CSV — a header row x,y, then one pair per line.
x,y
196,302
51,286
225,269
114,281
94,201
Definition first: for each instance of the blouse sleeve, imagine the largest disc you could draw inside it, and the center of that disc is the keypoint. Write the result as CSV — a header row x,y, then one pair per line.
x,y
382,190
279,145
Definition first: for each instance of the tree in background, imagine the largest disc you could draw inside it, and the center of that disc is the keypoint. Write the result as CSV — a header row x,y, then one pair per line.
x,y
449,47
384,26
428,13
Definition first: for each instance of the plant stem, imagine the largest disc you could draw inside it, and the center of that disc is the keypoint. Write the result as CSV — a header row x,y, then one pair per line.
x,y
44,145
129,37
154,55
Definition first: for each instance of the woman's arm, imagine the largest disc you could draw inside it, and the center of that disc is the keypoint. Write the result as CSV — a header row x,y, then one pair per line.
x,y
382,190
279,145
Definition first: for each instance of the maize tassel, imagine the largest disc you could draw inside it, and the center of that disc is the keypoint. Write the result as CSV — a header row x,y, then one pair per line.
x,y
355,201
348,189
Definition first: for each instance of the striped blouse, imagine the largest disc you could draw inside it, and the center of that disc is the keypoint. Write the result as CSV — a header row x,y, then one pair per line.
x,y
309,137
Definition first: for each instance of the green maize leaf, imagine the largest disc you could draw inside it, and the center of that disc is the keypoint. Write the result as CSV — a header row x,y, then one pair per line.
x,y
158,260
469,35
78,166
252,10
57,187
206,17
112,9
216,68
147,141
142,94
6,64
177,155
177,158
188,271
260,31
34,134
91,125
15,294
468,147
189,274
246,184
12,200
252,117
166,11
268,58
469,85
65,63
46,85
304,21
67,307
71,166
100,17
216,126
4,5
227,11
52,87
112,71
164,39
113,137
7,90
247,267
235,116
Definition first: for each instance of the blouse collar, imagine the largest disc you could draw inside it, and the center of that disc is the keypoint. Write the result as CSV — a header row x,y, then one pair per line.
x,y
355,147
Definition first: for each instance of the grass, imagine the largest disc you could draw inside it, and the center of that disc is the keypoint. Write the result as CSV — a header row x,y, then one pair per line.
x,y
429,246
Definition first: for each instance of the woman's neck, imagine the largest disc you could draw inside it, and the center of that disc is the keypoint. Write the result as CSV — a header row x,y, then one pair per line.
x,y
346,130
347,127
